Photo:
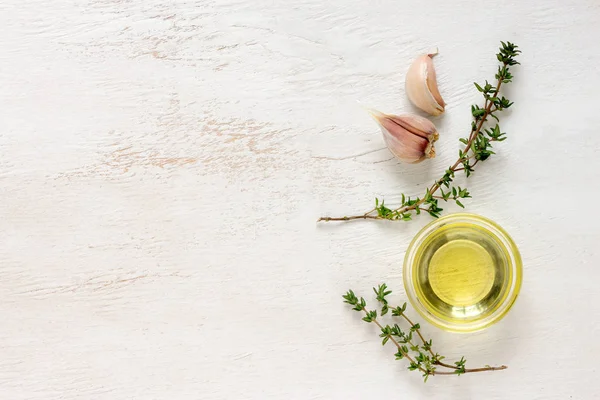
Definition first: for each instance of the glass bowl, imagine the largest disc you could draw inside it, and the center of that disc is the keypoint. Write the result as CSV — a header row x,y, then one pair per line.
x,y
462,272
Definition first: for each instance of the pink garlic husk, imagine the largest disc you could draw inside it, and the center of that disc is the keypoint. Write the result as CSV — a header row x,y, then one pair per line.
x,y
421,85
409,137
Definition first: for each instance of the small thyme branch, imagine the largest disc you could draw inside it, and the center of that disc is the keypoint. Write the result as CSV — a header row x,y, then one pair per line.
x,y
478,147
419,360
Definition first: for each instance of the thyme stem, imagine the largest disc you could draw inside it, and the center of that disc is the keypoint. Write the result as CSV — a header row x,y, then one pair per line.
x,y
477,146
420,361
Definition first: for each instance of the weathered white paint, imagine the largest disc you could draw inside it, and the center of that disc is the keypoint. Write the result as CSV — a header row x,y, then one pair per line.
x,y
162,165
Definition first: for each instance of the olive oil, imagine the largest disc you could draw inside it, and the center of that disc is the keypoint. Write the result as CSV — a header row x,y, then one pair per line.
x,y
463,273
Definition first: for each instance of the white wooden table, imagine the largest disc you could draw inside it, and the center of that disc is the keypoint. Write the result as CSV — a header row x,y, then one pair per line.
x,y
162,166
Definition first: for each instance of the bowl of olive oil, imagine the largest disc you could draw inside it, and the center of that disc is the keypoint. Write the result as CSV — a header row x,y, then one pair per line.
x,y
462,272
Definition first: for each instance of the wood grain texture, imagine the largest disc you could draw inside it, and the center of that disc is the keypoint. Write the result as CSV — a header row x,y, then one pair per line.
x,y
162,166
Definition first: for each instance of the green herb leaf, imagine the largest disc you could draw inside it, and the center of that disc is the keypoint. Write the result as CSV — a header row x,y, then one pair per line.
x,y
420,356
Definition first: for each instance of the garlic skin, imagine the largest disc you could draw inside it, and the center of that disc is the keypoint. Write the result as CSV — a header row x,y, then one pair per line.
x,y
421,85
409,137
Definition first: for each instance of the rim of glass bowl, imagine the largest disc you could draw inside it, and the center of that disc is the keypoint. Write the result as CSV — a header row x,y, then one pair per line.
x,y
514,260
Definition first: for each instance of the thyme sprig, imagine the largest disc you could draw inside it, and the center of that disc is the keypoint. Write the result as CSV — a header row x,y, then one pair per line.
x,y
421,357
477,148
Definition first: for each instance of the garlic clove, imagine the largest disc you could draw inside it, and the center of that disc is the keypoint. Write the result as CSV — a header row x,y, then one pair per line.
x,y
409,137
421,85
